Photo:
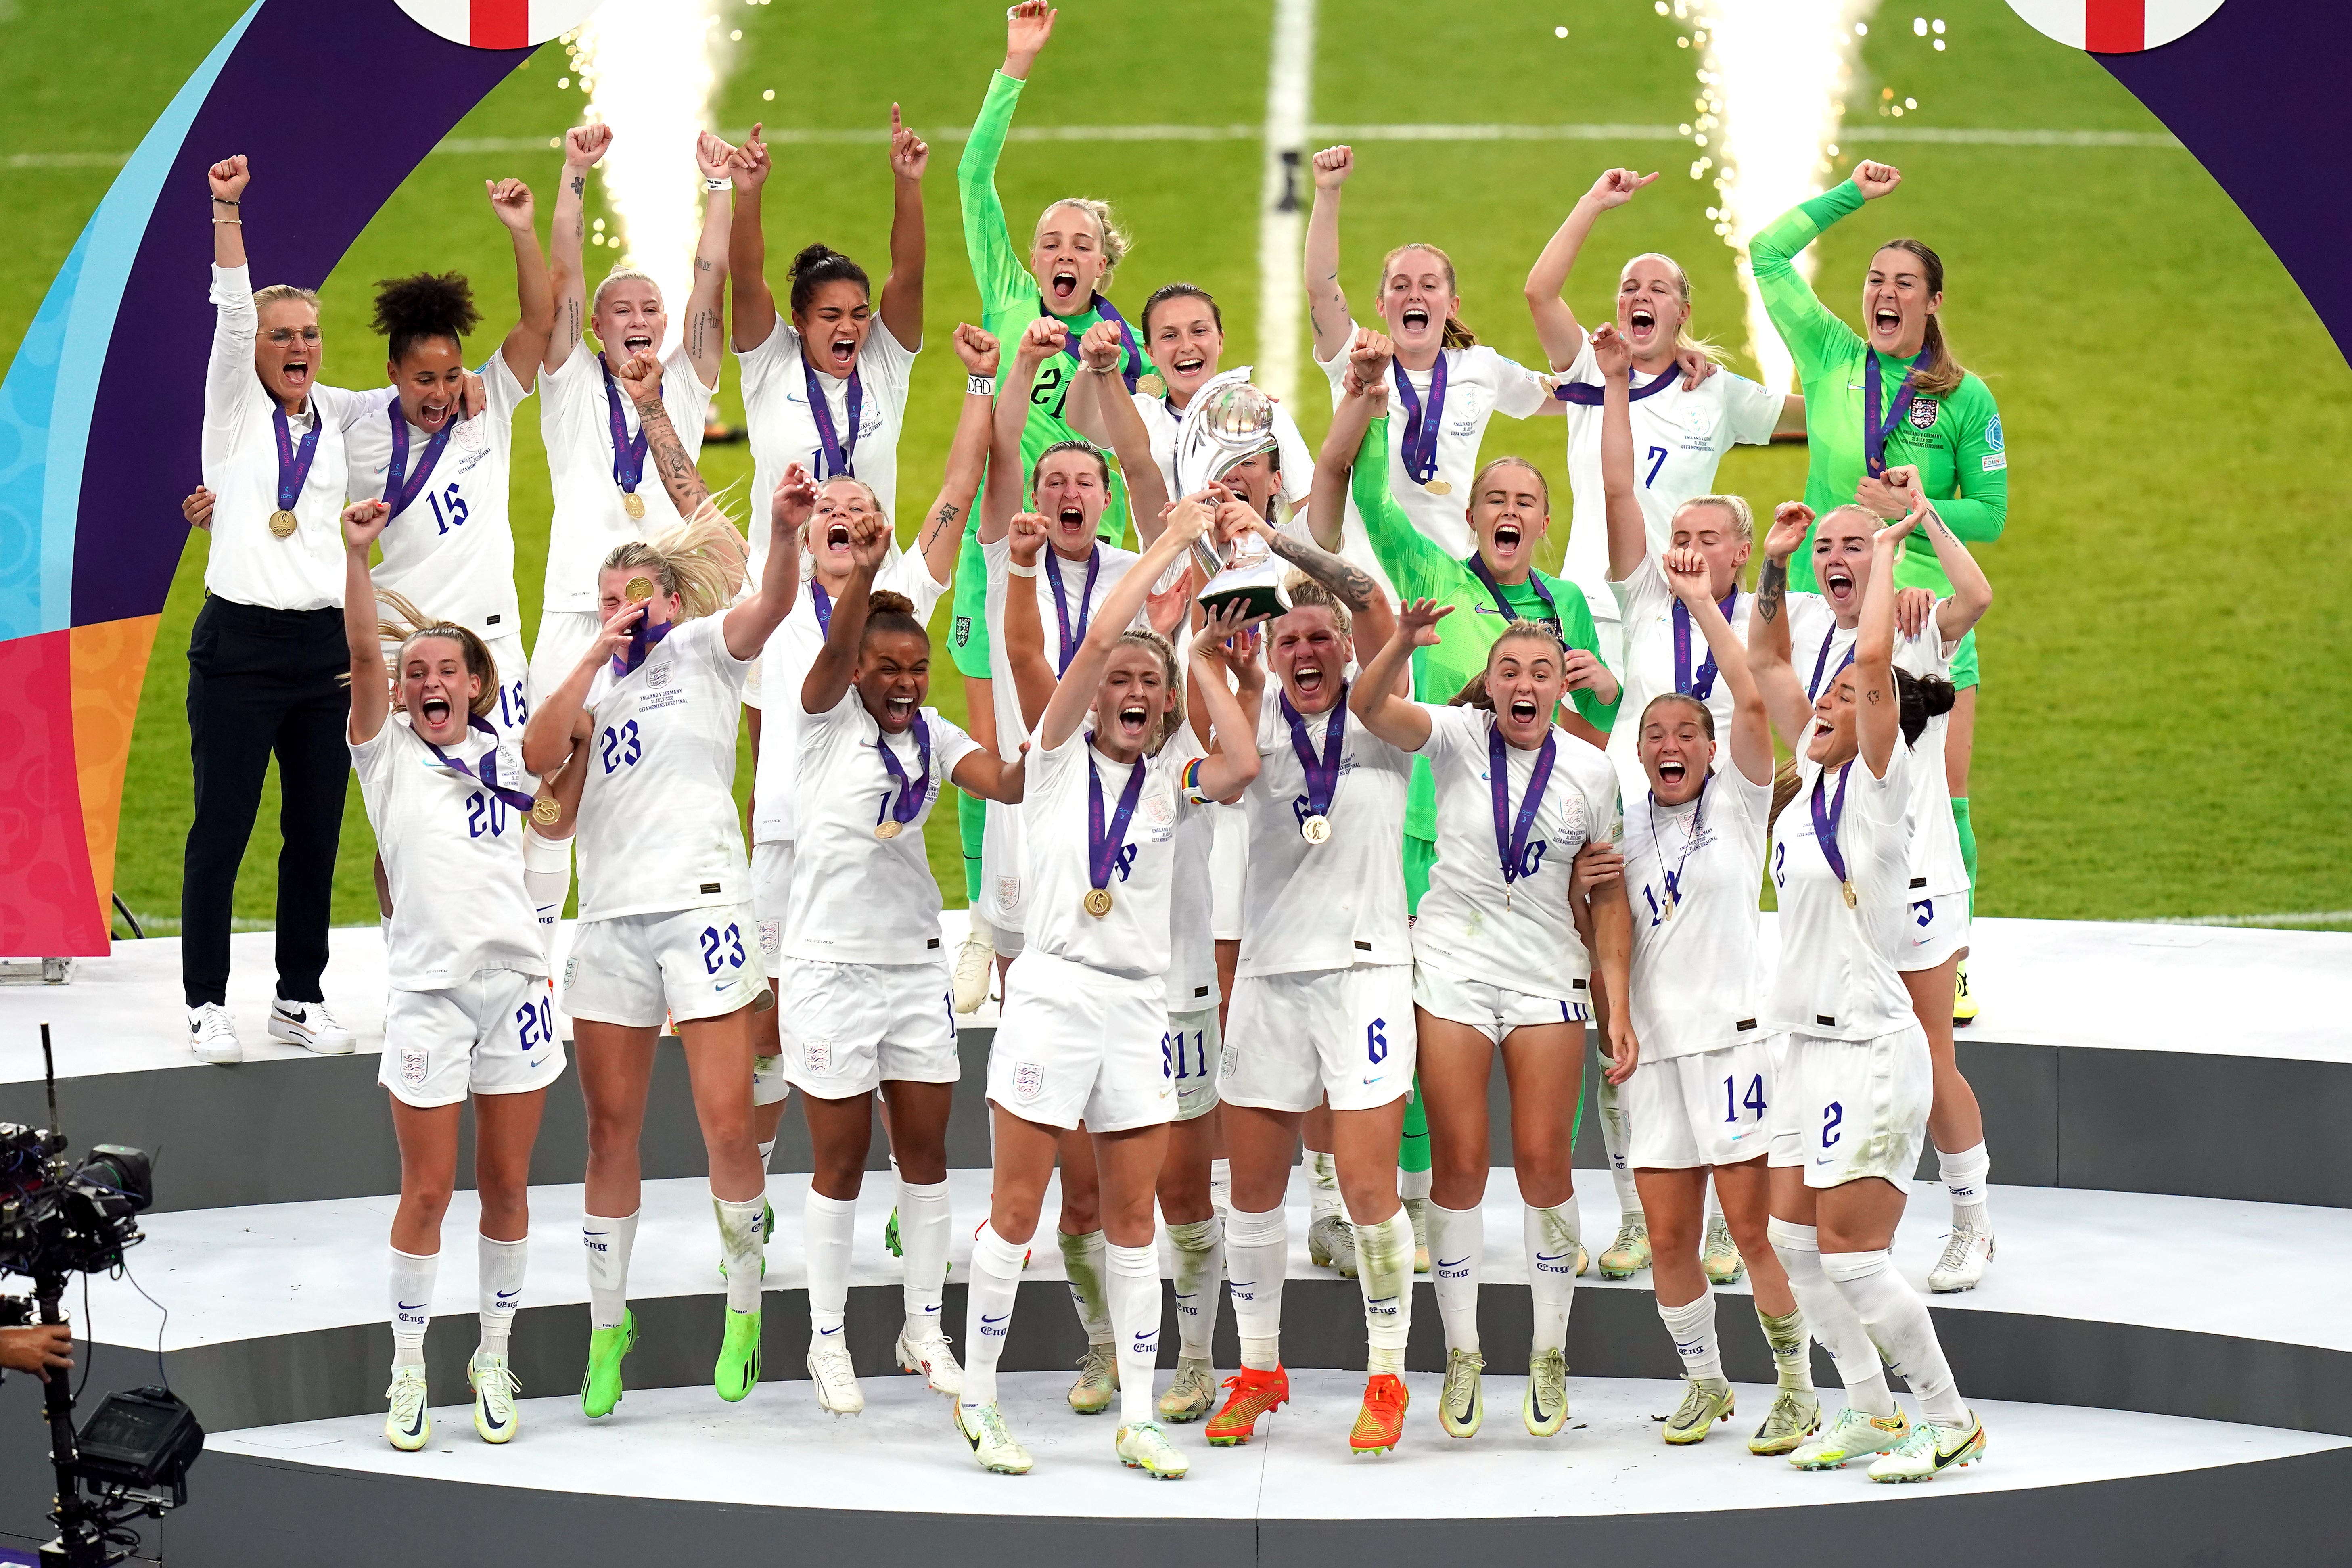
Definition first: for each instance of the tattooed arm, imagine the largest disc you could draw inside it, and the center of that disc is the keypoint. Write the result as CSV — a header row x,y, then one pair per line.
x,y
943,534
1767,624
642,378
1373,618
705,336
584,145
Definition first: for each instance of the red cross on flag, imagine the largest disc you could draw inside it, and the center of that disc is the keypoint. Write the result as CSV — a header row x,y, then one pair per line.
x,y
2112,26
499,23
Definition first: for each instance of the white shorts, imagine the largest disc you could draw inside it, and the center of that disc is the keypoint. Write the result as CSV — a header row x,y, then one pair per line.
x,y
1861,1105
846,1027
1785,1130
494,1033
1939,930
771,891
1228,866
1493,1010
685,965
1076,1044
1710,1108
1194,1047
512,709
563,636
1344,1034
1002,895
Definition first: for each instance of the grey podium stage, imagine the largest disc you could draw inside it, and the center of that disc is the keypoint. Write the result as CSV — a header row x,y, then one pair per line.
x,y
2163,1346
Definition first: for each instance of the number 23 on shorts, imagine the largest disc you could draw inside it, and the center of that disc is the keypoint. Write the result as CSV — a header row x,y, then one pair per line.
x,y
721,945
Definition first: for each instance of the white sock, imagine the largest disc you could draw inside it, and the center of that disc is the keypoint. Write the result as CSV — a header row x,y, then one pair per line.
x,y
1322,1185
1613,1140
499,1265
1134,1285
827,1226
1965,1177
1552,1245
411,1304
747,1254
926,1220
609,1243
1258,1255
1692,1326
1791,1349
1413,1186
1083,1259
1221,1186
1385,1275
988,1312
1458,1253
1899,1326
1834,1325
1200,1249
766,1149
546,877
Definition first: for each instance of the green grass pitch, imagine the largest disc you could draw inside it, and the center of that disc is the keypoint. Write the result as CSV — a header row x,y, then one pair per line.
x,y
2165,669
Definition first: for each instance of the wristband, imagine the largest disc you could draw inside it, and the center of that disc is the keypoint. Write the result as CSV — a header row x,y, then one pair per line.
x,y
980,386
1015,569
1111,369
227,202
711,184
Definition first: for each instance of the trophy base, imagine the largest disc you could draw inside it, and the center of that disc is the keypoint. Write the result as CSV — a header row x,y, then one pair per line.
x,y
1262,598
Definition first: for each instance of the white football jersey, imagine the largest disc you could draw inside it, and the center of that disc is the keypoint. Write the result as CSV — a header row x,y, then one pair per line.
x,y
1836,978
783,431
784,664
450,552
575,421
1937,869
659,829
1818,647
452,854
1650,668
1341,902
1692,872
857,898
1466,926
1131,940
1162,419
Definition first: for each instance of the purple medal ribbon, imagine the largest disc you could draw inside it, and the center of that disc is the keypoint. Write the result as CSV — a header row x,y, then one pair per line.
x,y
628,452
642,638
489,774
1062,607
1103,847
1478,569
913,793
834,456
1820,662
294,462
1825,821
1699,683
823,603
400,487
1419,445
1697,827
1323,771
1874,431
1511,832
1587,394
1131,358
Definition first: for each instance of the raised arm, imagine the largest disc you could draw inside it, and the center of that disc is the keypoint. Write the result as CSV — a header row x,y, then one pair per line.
x,y
1025,625
997,269
642,377
747,247
1007,484
1067,709
1629,529
1368,607
706,331
1375,698
942,532
1098,353
751,623
1877,714
371,684
1327,302
1556,324
583,146
1767,623
1809,328
527,343
829,674
902,291
1228,769
1971,590
1752,733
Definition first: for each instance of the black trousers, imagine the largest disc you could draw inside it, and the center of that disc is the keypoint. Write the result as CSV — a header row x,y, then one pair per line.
x,y
261,682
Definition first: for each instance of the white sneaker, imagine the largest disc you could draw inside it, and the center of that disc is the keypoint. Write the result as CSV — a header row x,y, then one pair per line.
x,y
1145,1447
1966,1252
495,1388
930,1356
1930,1450
1331,1243
983,1428
1853,1436
408,1425
212,1034
309,1026
834,1378
975,961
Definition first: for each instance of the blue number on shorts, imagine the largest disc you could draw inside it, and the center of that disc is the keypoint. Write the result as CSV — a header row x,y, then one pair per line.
x,y
1201,1053
1922,913
535,1022
721,947
486,816
1173,1061
1657,456
1831,1115
1531,858
1780,864
456,516
1753,1099
1376,1041
621,748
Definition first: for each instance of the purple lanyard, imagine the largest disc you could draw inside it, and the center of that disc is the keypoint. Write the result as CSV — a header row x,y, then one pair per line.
x,y
1585,395
1697,826
834,456
1062,607
1131,359
1820,662
1322,773
294,462
823,603
1511,832
1103,847
1478,569
399,487
1420,448
489,774
642,638
628,451
1825,821
1700,683
1874,431
915,792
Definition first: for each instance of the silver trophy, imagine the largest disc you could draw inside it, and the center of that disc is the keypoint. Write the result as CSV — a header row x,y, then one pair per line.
x,y
1229,421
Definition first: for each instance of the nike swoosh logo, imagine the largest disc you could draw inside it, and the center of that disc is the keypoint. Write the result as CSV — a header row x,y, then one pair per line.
x,y
986,1318
1195,1296
825,1331
414,1305
1549,1257
507,1295
1453,1262
489,1417
1943,1458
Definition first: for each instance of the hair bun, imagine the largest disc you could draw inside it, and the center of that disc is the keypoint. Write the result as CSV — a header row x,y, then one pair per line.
x,y
1937,695
808,255
882,602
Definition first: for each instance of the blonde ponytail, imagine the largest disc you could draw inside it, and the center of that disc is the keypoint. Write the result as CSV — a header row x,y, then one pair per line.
x,y
702,560
408,625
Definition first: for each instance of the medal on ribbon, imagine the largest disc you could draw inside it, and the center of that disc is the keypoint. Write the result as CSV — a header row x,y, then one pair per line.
x,y
628,451
822,604
1070,640
912,793
1314,807
400,487
1421,425
1825,827
1699,682
836,456
294,468
1511,829
486,773
1103,843
1875,431
1697,827
642,637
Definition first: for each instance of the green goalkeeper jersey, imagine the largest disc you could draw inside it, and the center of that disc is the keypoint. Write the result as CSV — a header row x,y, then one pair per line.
x,y
1955,439
1421,570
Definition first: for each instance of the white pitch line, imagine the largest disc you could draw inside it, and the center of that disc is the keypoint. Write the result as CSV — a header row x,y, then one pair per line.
x,y
1281,293
2290,919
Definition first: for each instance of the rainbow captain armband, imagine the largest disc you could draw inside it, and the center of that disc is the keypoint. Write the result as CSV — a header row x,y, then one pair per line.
x,y
1192,790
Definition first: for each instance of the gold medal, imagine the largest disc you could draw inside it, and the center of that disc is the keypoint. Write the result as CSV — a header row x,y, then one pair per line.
x,y
639,590
1439,487
1669,914
1846,888
888,830
633,504
544,811
283,523
1097,901
1316,829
